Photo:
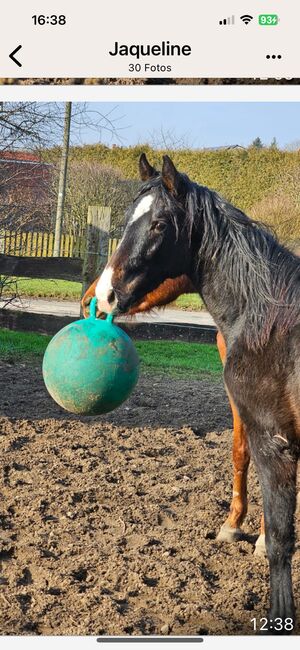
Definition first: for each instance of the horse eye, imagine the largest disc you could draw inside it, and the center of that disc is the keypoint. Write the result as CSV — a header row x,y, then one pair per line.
x,y
158,226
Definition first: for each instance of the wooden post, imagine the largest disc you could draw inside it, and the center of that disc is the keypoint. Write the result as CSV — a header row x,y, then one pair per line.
x,y
62,181
97,238
2,241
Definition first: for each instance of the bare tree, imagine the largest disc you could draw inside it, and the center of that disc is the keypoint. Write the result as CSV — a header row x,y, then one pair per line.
x,y
39,125
25,129
90,183
27,125
169,140
34,127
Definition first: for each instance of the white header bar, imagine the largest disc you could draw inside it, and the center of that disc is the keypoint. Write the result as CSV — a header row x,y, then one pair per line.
x,y
187,38
161,93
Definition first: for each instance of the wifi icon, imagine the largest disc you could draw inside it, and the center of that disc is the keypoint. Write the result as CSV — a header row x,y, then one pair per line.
x,y
246,19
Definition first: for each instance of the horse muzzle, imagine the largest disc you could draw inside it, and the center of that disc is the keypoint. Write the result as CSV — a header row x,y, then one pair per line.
x,y
107,304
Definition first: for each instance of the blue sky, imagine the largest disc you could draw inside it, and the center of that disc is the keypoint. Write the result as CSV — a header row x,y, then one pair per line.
x,y
197,124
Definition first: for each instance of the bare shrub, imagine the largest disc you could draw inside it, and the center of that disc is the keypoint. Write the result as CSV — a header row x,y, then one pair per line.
x,y
91,183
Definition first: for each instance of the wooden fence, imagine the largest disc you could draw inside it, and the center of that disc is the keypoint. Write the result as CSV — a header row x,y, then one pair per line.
x,y
56,268
112,245
41,244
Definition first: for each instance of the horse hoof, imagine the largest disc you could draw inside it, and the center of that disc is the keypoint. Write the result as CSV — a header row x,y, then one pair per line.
x,y
260,547
228,534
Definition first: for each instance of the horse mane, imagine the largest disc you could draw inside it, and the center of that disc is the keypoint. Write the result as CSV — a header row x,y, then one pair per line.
x,y
261,273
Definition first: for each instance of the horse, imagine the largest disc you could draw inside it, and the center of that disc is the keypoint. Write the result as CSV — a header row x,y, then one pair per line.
x,y
176,229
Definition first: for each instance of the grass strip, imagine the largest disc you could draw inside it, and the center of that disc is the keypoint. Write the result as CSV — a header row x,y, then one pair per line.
x,y
64,289
165,356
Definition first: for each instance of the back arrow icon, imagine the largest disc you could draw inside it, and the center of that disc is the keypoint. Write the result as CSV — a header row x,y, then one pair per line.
x,y
12,56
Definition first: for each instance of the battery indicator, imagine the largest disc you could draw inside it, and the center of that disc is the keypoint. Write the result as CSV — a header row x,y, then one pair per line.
x,y
268,19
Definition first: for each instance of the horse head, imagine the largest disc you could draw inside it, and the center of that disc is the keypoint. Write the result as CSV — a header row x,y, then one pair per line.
x,y
150,267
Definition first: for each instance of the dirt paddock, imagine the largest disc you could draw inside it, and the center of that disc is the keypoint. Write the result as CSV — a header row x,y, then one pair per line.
x,y
108,524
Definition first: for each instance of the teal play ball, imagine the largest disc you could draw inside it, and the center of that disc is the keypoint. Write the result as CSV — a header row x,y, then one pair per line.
x,y
90,366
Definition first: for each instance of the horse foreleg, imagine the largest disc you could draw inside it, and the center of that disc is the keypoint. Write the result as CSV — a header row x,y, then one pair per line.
x,y
231,529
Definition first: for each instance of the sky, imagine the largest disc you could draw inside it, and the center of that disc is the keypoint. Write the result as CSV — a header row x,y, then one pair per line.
x,y
197,124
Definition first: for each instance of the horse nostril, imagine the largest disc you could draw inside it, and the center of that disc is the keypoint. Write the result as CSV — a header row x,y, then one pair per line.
x,y
111,297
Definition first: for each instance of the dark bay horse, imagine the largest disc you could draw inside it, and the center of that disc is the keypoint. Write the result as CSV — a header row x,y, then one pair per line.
x,y
250,284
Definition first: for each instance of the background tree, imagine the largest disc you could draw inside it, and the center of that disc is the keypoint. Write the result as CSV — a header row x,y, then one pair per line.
x,y
90,183
25,127
274,144
257,143
32,127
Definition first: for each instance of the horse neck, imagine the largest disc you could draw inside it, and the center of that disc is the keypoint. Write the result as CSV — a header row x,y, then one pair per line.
x,y
220,299
234,275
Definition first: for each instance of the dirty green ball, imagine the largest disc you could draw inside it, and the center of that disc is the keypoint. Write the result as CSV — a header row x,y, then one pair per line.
x,y
90,366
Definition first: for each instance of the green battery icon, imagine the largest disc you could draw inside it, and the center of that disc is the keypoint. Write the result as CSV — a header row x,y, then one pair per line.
x,y
268,19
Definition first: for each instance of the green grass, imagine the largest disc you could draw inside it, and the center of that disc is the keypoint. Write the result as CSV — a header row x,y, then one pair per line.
x,y
62,289
176,358
180,358
48,288
22,346
189,301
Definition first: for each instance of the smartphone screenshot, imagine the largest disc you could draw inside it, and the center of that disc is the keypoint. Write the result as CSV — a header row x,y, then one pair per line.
x,y
149,323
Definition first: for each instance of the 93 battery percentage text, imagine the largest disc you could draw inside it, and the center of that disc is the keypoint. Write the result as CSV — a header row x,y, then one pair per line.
x,y
268,19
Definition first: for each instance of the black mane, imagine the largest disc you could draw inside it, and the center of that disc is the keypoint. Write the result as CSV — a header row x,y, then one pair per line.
x,y
263,275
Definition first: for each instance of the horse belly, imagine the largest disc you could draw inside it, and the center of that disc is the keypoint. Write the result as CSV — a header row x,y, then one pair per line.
x,y
266,390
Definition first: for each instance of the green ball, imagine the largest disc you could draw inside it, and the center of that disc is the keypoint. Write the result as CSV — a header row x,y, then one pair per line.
x,y
90,366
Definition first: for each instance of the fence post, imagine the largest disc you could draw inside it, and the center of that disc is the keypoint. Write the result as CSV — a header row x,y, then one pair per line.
x,y
97,240
2,241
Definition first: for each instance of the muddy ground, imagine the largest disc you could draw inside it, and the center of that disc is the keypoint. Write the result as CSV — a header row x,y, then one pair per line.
x,y
109,523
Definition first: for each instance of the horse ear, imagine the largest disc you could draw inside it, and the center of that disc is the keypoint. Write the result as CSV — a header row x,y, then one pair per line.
x,y
171,178
146,170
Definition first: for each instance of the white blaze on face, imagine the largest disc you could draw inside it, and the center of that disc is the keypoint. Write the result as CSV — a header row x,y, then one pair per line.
x,y
103,289
104,285
142,207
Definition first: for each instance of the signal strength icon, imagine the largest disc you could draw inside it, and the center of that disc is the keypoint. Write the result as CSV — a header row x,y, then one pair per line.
x,y
227,21
246,19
